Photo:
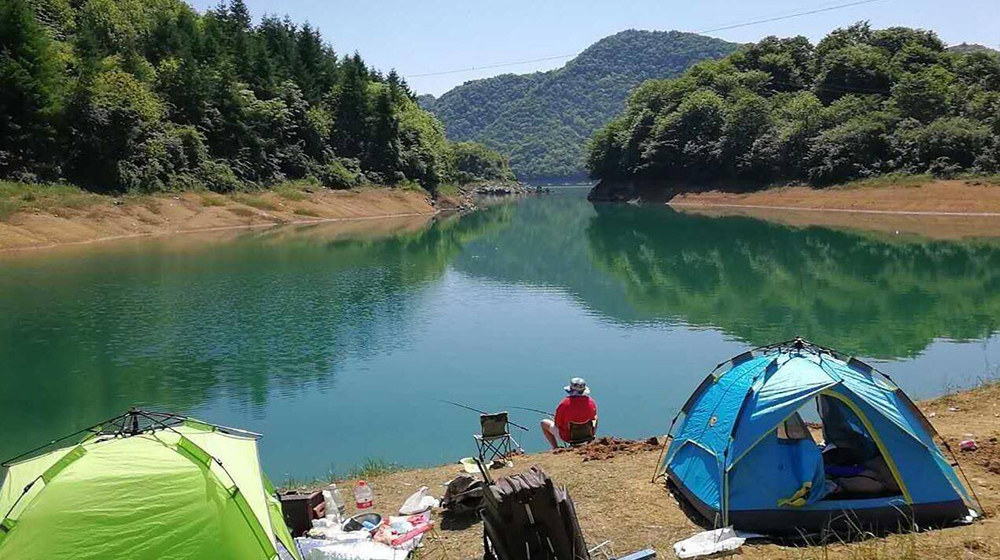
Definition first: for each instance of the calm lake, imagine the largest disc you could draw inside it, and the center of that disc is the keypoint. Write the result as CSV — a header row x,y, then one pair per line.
x,y
335,340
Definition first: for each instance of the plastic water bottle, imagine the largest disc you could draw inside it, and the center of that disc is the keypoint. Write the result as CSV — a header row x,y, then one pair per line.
x,y
363,495
336,498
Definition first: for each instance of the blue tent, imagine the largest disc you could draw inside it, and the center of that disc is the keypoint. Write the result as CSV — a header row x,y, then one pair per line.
x,y
743,455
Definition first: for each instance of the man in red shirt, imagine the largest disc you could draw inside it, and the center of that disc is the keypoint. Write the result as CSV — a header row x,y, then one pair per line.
x,y
577,407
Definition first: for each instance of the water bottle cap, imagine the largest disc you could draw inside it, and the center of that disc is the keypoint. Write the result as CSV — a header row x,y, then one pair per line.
x,y
362,483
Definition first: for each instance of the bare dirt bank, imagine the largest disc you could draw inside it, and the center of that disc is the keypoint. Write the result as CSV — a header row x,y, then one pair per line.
x,y
98,218
616,500
937,209
939,197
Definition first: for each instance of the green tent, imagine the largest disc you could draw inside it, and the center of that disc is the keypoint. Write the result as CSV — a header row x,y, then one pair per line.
x,y
143,485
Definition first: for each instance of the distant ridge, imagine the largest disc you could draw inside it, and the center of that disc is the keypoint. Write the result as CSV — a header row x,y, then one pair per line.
x,y
544,119
967,48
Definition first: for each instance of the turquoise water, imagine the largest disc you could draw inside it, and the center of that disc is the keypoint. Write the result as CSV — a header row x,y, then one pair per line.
x,y
335,341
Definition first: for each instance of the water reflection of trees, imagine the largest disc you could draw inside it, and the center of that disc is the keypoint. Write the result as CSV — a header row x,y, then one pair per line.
x,y
763,282
87,334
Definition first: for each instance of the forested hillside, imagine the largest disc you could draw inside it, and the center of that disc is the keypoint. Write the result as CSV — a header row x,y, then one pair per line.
x,y
543,120
861,103
149,95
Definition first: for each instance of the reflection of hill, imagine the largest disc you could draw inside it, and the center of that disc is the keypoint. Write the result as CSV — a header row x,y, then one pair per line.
x,y
763,282
86,334
544,246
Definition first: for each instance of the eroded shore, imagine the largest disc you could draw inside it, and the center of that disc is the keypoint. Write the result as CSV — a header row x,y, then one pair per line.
x,y
939,209
99,218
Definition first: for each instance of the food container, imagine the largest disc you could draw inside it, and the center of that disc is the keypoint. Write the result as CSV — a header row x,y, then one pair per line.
x,y
362,522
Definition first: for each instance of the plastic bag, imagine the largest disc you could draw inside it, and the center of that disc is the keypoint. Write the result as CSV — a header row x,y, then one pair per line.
x,y
418,502
708,543
360,550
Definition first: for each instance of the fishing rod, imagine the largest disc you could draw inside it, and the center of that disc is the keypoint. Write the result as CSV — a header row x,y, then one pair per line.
x,y
529,409
460,405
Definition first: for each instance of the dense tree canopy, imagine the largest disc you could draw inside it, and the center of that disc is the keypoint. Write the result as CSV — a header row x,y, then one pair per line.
x,y
150,95
543,120
861,103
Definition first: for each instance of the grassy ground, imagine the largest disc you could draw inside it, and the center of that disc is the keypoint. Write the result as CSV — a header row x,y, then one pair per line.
x,y
23,197
616,500
910,180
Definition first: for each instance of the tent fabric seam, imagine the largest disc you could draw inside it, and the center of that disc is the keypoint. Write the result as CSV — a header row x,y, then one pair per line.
x,y
255,528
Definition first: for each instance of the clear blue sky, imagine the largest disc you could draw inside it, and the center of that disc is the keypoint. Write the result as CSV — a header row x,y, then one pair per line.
x,y
423,36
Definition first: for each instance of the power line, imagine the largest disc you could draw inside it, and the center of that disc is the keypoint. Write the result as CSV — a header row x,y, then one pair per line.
x,y
789,16
500,65
722,28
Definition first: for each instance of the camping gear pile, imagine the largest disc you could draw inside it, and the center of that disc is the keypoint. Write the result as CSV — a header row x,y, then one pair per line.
x,y
526,517
463,495
880,466
368,535
143,485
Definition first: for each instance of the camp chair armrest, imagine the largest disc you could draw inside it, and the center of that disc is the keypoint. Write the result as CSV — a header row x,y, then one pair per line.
x,y
481,438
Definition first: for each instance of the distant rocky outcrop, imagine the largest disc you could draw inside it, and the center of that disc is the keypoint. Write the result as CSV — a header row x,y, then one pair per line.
x,y
966,48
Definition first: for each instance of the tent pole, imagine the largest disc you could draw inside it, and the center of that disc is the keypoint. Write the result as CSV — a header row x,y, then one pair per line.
x,y
663,448
8,462
927,423
725,481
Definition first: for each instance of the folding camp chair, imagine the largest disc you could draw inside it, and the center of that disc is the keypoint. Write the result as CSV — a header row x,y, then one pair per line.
x,y
527,517
494,441
581,433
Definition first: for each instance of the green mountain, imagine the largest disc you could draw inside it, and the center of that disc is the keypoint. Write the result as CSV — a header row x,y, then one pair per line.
x,y
543,120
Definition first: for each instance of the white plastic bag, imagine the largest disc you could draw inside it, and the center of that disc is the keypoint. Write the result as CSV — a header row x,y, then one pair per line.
x,y
709,542
359,550
418,502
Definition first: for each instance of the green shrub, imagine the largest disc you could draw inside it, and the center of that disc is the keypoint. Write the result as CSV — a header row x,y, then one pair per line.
x,y
336,175
944,147
473,161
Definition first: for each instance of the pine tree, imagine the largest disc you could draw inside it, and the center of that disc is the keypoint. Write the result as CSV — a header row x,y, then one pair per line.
x,y
398,86
308,69
31,89
383,151
351,108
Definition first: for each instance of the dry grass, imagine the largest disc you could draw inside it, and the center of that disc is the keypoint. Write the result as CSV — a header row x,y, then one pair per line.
x,y
889,180
242,212
293,191
18,197
306,212
989,180
257,201
211,199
